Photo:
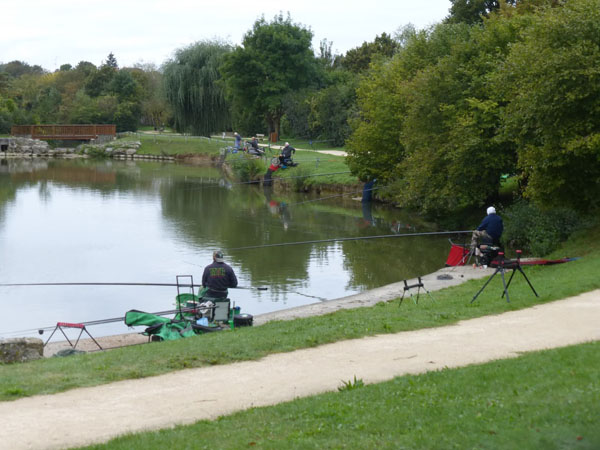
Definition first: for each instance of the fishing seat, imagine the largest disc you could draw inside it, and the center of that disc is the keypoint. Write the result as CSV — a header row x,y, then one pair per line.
x,y
221,312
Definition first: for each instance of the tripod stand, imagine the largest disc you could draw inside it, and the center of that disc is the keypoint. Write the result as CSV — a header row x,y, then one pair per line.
x,y
418,285
501,267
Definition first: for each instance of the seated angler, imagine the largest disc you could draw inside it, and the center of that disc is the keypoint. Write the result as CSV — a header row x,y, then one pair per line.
x,y
488,232
254,149
218,276
286,155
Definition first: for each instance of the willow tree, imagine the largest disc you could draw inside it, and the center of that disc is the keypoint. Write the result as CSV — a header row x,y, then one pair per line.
x,y
193,88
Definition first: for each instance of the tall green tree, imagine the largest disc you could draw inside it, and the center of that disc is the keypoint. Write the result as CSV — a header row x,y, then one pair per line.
x,y
275,58
374,146
551,84
376,149
98,81
473,11
332,108
455,150
154,106
111,61
125,86
194,90
16,69
358,59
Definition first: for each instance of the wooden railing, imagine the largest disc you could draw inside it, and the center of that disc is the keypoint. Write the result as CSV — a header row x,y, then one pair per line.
x,y
78,132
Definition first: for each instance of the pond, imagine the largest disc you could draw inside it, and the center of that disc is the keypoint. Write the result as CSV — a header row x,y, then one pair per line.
x,y
75,221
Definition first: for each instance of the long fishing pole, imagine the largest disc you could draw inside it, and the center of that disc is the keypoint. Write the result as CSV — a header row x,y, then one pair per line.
x,y
120,284
335,196
360,238
223,183
107,321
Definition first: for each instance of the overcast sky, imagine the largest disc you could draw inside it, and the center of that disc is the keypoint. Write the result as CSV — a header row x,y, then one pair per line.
x,y
56,32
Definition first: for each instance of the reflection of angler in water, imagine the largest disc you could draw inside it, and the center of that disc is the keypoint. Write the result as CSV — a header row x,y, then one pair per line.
x,y
399,227
285,215
225,183
277,208
366,201
368,188
367,214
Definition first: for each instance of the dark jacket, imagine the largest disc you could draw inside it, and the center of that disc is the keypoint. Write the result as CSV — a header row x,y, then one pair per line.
x,y
287,151
218,277
492,224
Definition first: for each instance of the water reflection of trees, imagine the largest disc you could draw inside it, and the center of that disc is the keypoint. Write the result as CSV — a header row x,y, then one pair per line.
x,y
373,264
212,217
241,216
209,216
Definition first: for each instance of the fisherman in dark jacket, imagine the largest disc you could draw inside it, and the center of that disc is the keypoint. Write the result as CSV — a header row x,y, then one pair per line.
x,y
254,149
286,155
218,276
488,232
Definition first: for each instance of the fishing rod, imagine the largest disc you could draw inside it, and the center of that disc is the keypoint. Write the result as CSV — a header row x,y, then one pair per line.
x,y
111,320
224,183
313,175
335,196
260,288
432,233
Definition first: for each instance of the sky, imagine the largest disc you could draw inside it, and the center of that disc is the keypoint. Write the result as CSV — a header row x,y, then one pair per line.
x,y
57,32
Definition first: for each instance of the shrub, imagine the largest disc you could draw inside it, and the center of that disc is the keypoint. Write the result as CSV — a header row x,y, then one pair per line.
x,y
247,168
538,231
300,177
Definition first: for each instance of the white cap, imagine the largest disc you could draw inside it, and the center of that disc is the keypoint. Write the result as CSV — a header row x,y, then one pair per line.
x,y
491,210
287,143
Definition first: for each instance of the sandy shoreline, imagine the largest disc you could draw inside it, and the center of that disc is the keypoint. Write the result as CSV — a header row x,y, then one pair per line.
x,y
371,297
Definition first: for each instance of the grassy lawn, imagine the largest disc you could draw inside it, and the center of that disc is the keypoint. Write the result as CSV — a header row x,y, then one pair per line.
x,y
311,163
310,145
173,144
452,304
329,169
542,400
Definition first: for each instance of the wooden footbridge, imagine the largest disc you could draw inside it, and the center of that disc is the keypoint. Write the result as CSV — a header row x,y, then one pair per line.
x,y
64,132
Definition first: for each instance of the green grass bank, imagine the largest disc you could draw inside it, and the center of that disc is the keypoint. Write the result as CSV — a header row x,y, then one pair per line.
x,y
310,161
452,304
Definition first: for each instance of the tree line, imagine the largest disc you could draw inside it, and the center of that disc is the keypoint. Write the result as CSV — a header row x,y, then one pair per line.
x,y
440,114
463,103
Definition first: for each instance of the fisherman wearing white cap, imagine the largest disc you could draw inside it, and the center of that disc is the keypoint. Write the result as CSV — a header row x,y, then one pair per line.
x,y
286,155
489,230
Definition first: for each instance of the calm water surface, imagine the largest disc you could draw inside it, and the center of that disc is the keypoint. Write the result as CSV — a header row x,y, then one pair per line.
x,y
112,221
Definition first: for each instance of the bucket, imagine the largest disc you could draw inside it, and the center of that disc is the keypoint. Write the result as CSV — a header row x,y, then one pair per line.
x,y
243,320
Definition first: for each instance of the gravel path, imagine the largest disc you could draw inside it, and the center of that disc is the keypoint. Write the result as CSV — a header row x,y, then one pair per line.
x,y
88,415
